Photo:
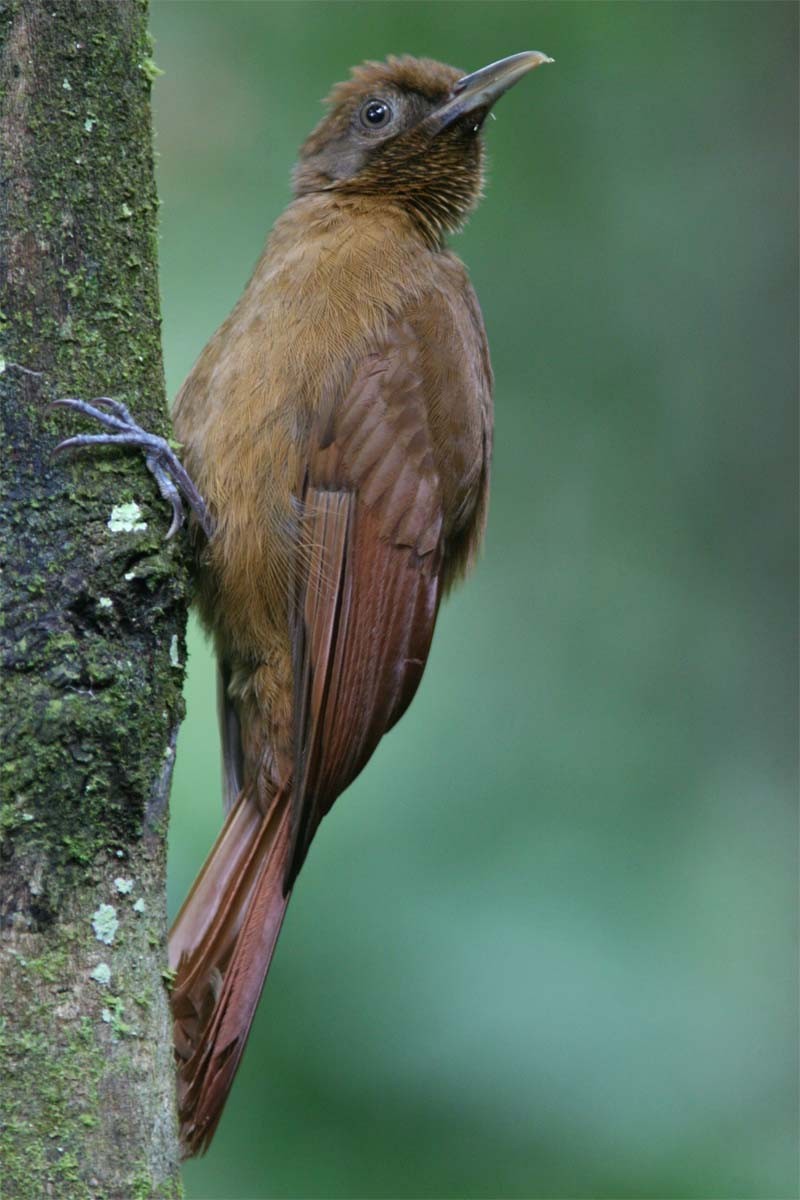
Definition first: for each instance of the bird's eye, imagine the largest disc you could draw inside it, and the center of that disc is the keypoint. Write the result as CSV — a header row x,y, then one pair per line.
x,y
375,114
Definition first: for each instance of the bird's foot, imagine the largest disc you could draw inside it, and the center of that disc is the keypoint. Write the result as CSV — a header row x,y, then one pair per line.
x,y
172,478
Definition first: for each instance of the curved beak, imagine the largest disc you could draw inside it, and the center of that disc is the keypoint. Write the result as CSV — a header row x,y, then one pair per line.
x,y
481,89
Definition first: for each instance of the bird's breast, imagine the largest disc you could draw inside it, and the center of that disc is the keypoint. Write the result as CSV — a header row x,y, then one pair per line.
x,y
320,299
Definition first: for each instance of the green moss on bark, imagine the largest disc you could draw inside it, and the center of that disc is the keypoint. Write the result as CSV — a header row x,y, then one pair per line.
x,y
93,699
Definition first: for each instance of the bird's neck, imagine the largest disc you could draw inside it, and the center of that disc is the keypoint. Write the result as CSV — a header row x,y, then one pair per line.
x,y
334,274
329,229
342,265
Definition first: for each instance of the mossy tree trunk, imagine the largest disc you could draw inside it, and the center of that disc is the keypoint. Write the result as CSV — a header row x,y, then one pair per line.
x,y
93,638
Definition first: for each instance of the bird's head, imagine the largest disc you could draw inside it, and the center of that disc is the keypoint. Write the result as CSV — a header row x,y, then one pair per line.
x,y
409,129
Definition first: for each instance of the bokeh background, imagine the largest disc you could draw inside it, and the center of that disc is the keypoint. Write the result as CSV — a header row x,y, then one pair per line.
x,y
546,944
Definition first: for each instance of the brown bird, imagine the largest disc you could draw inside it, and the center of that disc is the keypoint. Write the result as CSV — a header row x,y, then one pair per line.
x,y
339,428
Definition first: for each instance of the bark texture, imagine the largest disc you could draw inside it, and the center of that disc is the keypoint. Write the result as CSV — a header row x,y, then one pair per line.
x,y
95,605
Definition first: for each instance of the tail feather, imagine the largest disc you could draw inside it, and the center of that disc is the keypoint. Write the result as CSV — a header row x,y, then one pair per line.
x,y
222,869
221,946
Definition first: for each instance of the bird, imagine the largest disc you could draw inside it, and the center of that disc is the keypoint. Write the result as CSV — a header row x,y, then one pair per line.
x,y
336,433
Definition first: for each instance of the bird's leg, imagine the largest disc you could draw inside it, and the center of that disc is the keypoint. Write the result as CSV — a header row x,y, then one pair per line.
x,y
172,478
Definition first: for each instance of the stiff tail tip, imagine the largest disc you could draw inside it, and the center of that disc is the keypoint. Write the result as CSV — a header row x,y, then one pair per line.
x,y
221,947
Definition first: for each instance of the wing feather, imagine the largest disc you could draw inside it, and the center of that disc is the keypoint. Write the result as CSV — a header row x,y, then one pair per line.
x,y
365,601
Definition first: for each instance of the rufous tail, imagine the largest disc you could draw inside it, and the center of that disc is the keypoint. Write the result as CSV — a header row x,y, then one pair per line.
x,y
220,947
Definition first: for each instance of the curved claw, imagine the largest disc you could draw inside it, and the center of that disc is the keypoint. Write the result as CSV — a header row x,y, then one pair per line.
x,y
169,492
65,445
83,439
177,521
121,421
117,407
140,440
162,462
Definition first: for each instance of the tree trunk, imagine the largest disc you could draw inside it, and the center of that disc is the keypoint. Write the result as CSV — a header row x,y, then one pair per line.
x,y
95,607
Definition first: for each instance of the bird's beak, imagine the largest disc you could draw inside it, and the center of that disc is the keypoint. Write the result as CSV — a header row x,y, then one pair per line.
x,y
481,89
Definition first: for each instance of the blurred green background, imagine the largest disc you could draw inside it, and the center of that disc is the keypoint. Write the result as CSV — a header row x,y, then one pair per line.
x,y
546,945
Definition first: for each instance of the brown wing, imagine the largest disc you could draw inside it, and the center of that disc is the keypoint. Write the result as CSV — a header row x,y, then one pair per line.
x,y
367,591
